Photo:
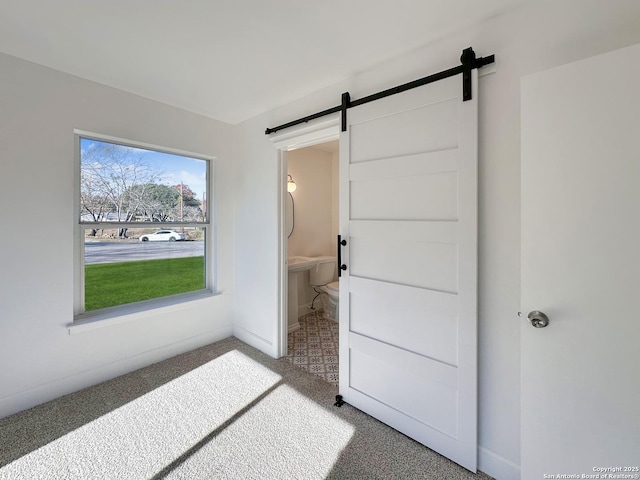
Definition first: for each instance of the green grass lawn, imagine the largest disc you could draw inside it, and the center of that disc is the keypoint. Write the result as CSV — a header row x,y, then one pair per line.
x,y
111,284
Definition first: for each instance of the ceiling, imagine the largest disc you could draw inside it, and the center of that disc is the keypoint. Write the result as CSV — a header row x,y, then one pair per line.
x,y
227,59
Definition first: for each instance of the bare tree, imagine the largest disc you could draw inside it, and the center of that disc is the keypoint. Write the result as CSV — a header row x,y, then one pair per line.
x,y
109,174
92,204
192,214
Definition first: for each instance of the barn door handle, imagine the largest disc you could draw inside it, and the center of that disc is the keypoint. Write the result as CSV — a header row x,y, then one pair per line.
x,y
341,266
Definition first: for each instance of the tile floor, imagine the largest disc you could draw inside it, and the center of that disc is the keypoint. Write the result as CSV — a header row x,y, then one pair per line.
x,y
314,347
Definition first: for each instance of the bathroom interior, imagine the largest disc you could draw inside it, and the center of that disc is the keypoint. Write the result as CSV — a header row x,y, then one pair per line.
x,y
311,210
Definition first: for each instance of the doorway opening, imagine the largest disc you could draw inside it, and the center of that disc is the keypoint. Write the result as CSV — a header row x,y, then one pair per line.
x,y
309,319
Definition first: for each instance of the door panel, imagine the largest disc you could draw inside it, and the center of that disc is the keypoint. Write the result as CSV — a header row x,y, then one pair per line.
x,y
418,164
406,261
408,193
580,264
382,372
438,200
434,336
408,125
425,254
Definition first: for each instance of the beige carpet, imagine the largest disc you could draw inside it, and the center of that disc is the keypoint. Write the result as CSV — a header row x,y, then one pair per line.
x,y
223,411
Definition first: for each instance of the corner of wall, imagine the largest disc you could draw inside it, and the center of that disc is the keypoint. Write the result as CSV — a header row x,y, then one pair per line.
x,y
254,341
496,466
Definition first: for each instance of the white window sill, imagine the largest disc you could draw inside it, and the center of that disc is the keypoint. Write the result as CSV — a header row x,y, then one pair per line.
x,y
127,313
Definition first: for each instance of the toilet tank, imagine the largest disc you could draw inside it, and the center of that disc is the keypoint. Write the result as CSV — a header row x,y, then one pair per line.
x,y
322,273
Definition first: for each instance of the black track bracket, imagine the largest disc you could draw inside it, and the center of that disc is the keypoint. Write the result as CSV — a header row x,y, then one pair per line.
x,y
344,106
467,59
339,401
470,62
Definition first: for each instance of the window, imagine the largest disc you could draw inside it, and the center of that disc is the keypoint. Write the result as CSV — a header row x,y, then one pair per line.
x,y
143,226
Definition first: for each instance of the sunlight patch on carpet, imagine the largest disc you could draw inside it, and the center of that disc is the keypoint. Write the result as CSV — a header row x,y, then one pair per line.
x,y
285,435
144,436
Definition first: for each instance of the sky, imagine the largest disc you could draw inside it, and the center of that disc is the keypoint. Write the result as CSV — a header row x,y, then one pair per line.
x,y
175,168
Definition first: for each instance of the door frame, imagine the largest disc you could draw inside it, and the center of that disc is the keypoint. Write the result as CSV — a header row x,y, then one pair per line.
x,y
294,139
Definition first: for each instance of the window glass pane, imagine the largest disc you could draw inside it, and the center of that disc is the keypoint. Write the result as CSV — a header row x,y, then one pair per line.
x,y
119,183
131,265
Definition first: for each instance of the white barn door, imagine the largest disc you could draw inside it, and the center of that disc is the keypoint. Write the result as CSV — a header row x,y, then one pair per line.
x,y
408,210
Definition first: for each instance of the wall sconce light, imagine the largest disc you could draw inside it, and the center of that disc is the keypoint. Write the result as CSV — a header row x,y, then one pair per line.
x,y
291,185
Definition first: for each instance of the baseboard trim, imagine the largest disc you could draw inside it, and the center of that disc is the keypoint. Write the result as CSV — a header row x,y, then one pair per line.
x,y
293,327
497,466
58,387
304,309
256,341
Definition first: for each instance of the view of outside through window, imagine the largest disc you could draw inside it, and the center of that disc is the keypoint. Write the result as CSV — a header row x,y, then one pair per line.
x,y
143,214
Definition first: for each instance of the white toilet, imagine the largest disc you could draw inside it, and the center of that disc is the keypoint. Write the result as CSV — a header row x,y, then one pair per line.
x,y
321,279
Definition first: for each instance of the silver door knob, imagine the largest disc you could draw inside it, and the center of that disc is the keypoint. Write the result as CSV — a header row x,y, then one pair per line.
x,y
538,319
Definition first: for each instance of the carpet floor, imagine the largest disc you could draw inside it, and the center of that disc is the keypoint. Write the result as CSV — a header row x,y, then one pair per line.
x,y
223,411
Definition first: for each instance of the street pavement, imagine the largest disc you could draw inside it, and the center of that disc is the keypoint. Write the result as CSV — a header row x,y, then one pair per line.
x,y
121,251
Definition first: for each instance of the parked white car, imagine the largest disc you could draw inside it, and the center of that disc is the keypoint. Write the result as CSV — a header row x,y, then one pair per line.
x,y
162,236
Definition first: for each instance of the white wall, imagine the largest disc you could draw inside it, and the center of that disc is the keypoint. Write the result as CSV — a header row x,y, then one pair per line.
x,y
312,171
40,108
314,234
335,198
539,37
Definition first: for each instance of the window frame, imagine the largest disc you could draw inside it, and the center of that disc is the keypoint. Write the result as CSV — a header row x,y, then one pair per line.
x,y
80,316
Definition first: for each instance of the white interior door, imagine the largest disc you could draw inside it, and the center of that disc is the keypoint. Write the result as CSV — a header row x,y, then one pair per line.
x,y
408,210
580,266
